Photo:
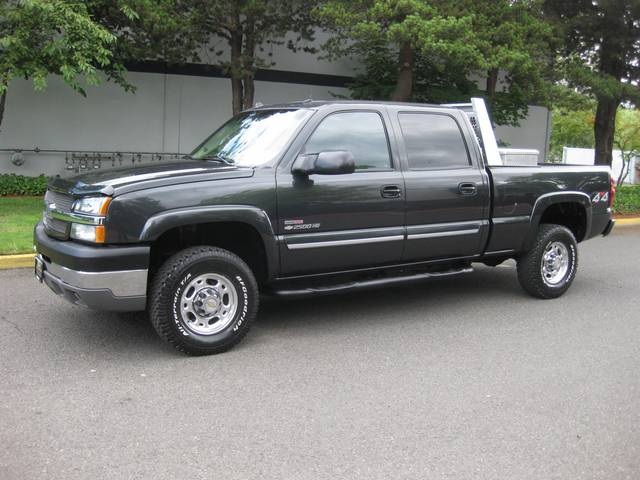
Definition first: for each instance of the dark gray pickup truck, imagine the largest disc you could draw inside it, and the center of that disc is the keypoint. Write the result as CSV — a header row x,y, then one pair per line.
x,y
307,198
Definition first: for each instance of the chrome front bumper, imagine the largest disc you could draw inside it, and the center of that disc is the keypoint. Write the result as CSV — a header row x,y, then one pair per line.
x,y
123,290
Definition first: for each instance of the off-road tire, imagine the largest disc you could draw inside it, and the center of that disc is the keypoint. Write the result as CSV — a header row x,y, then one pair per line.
x,y
169,284
530,271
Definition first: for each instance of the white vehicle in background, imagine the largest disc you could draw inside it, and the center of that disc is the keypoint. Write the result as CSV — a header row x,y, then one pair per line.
x,y
585,156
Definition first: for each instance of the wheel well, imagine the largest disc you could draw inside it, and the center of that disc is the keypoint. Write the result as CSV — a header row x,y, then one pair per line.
x,y
236,237
570,214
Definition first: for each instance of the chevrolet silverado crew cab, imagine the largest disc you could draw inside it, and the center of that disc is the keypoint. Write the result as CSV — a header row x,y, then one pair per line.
x,y
312,197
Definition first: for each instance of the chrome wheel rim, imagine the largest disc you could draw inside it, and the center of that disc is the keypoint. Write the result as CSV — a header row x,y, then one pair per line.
x,y
208,304
555,263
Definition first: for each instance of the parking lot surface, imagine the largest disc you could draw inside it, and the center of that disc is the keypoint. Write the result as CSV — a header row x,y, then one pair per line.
x,y
465,377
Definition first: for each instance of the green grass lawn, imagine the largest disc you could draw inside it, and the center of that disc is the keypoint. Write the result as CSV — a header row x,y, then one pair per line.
x,y
18,215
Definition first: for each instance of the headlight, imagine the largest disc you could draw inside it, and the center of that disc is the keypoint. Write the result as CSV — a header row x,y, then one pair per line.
x,y
92,205
87,233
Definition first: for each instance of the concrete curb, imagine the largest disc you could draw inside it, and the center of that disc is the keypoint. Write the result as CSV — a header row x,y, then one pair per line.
x,y
623,222
16,261
26,260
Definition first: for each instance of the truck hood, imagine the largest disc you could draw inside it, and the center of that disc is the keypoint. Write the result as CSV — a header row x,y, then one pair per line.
x,y
116,181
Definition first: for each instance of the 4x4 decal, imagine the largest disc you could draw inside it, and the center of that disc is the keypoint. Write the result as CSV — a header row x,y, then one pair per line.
x,y
600,197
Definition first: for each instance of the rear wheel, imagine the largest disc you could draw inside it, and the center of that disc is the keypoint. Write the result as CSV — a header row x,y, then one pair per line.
x,y
548,269
203,300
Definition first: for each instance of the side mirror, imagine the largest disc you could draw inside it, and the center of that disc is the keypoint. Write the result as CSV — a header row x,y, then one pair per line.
x,y
324,163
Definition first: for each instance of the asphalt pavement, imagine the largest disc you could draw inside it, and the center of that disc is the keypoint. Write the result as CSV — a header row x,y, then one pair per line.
x,y
458,378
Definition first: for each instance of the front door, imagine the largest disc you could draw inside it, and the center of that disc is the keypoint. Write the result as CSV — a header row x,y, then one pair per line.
x,y
340,222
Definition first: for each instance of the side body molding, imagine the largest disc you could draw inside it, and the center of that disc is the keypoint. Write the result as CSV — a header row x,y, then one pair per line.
x,y
548,199
252,216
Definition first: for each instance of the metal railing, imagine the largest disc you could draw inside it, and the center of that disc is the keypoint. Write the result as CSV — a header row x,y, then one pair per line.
x,y
83,160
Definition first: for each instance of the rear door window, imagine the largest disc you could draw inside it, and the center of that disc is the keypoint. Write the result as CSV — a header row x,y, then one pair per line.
x,y
433,141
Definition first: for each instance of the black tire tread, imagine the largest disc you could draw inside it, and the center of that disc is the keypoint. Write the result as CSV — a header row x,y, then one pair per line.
x,y
167,274
529,264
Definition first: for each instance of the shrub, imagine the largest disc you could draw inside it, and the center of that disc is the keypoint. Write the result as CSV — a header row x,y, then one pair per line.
x,y
627,200
12,184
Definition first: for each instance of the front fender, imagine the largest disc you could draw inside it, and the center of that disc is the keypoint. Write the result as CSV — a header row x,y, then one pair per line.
x,y
162,222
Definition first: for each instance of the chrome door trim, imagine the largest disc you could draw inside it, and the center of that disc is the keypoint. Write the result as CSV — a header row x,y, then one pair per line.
x,y
448,233
340,243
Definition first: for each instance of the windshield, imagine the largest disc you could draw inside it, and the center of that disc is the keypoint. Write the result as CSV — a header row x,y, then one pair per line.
x,y
252,138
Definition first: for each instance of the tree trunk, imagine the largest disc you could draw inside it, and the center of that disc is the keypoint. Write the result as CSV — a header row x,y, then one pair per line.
x,y
613,64
237,89
237,94
235,42
624,172
604,129
404,84
248,63
249,91
492,85
3,99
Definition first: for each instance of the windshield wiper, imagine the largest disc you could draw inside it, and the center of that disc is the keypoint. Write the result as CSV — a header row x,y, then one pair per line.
x,y
212,158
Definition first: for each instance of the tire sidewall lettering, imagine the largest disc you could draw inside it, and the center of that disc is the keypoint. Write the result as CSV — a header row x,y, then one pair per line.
x,y
572,265
241,314
245,303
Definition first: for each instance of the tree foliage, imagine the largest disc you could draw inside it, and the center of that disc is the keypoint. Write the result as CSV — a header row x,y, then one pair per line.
x,y
429,48
237,33
573,119
43,37
411,31
600,55
627,139
515,42
150,29
570,128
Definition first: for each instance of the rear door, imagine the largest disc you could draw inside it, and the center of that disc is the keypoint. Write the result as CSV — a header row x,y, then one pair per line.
x,y
339,222
447,191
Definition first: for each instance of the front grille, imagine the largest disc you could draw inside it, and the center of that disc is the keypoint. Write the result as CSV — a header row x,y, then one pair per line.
x,y
55,226
63,202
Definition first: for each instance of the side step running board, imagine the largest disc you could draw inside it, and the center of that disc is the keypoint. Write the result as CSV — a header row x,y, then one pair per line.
x,y
364,284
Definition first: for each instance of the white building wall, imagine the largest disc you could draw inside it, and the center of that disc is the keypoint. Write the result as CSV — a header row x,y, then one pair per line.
x,y
167,113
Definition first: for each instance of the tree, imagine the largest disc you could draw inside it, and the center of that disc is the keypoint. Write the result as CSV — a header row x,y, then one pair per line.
x,y
431,83
430,48
570,128
247,27
59,37
572,119
158,30
601,56
516,44
412,31
627,139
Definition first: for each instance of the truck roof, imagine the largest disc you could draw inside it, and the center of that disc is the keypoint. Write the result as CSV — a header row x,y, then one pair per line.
x,y
309,103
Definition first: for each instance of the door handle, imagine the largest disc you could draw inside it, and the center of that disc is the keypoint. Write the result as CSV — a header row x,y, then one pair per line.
x,y
390,191
467,188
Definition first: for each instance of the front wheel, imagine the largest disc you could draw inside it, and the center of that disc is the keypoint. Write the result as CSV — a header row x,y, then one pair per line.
x,y
203,300
548,269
